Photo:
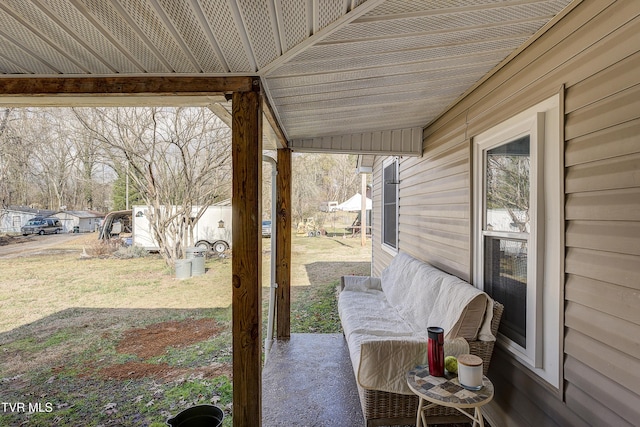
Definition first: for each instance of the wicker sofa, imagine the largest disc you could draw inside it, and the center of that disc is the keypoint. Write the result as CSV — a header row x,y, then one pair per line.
x,y
385,324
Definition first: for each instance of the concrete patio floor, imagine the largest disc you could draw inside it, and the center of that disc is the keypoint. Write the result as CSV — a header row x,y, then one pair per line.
x,y
308,381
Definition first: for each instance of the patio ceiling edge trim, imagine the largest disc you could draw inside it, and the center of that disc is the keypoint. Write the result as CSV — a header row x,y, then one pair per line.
x,y
407,142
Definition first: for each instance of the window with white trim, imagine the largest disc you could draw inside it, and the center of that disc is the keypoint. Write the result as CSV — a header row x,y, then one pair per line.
x,y
518,217
390,203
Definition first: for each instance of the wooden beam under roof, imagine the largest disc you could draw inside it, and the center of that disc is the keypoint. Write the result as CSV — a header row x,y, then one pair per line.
x,y
269,114
270,141
125,85
222,113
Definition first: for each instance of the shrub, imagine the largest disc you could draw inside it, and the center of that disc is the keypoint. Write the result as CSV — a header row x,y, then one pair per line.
x,y
128,252
103,248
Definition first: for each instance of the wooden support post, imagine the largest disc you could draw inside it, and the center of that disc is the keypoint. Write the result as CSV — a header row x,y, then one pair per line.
x,y
283,245
247,259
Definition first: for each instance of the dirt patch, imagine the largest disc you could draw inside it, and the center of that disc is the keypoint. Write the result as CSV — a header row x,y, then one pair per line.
x,y
162,371
154,339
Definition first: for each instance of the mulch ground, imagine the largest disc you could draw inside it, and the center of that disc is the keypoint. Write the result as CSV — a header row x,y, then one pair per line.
x,y
154,340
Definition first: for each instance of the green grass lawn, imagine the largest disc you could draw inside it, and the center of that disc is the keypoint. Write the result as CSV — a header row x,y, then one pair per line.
x,y
65,321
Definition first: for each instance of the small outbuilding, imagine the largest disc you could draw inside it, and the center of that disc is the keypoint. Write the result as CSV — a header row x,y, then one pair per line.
x,y
86,221
14,217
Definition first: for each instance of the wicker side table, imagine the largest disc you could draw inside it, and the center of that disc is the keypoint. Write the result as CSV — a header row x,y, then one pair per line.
x,y
447,391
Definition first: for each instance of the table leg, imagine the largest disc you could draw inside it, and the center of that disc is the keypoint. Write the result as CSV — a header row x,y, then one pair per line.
x,y
477,417
419,414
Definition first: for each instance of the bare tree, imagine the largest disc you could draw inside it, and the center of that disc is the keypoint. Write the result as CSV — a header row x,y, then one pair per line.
x,y
322,178
340,180
16,160
178,159
5,182
305,192
89,156
55,155
4,164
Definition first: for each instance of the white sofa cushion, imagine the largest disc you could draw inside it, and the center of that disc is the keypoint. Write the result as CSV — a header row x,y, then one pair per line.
x,y
425,296
361,283
397,278
370,313
419,299
382,364
451,305
385,321
471,319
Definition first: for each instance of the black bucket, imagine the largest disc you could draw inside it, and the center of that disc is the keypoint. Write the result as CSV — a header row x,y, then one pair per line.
x,y
198,416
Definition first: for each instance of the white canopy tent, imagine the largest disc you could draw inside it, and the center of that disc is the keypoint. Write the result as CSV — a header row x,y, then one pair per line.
x,y
354,204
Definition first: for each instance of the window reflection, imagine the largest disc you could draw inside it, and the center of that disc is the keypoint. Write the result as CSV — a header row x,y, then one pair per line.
x,y
508,187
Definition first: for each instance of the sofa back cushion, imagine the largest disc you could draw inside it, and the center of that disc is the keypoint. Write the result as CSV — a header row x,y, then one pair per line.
x,y
398,277
423,288
471,320
426,296
460,308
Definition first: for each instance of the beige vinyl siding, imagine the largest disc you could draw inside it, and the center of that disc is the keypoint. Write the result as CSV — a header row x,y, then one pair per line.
x,y
591,56
520,400
602,319
434,208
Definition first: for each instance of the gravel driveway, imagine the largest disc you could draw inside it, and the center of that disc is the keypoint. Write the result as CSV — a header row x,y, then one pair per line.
x,y
20,246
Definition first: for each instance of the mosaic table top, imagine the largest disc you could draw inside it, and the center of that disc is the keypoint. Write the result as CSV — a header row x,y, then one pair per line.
x,y
447,391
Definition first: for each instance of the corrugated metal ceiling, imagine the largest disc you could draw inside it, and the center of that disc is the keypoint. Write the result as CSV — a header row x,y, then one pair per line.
x,y
329,67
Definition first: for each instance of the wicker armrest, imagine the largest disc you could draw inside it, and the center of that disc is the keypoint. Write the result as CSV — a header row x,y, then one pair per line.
x,y
484,349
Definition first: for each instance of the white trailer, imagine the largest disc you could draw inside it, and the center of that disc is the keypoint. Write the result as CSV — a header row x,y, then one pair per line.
x,y
212,231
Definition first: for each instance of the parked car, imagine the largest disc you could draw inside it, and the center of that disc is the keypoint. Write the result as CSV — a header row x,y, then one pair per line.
x,y
41,226
266,228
